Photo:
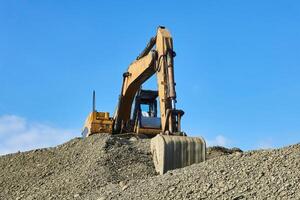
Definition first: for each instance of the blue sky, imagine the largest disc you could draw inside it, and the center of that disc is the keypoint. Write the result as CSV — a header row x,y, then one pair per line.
x,y
237,67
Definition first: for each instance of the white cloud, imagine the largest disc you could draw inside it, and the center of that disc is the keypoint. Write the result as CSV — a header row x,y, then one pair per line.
x,y
219,140
19,134
265,144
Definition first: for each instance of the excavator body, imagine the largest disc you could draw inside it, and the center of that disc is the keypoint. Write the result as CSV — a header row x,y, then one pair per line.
x,y
137,110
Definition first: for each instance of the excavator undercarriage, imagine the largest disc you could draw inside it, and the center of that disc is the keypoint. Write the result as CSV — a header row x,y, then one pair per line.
x,y
137,109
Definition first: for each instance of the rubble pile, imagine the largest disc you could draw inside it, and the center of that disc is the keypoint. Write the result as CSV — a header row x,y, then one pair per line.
x,y
107,167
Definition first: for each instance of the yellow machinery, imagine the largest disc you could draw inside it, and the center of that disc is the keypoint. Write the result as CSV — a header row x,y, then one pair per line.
x,y
171,148
97,122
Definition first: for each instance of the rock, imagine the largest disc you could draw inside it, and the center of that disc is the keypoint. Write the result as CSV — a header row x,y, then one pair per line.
x,y
76,195
133,139
122,184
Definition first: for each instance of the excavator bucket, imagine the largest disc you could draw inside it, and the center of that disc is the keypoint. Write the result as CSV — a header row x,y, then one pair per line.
x,y
172,152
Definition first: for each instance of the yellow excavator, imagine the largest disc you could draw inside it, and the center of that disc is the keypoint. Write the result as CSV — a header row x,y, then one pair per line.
x,y
137,111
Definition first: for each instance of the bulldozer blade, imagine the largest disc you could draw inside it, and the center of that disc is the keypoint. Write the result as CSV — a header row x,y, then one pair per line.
x,y
172,152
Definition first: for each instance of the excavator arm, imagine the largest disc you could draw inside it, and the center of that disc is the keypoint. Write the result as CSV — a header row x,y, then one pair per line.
x,y
159,61
170,117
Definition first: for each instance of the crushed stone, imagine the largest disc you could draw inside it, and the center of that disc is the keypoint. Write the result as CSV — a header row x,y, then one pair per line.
x,y
108,167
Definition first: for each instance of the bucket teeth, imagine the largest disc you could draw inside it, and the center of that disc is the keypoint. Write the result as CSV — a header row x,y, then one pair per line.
x,y
172,152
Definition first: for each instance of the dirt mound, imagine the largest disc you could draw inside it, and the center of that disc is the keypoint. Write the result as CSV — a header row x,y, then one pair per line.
x,y
74,169
106,167
264,174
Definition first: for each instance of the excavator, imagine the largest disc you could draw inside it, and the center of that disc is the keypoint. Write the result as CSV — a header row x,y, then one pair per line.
x,y
137,109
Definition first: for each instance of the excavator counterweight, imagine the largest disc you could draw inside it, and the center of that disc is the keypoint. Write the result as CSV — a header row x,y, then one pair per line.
x,y
137,109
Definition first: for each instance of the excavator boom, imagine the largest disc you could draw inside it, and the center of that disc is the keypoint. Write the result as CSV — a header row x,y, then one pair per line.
x,y
159,61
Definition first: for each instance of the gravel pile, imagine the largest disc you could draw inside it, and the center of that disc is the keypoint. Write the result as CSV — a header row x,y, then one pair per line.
x,y
105,167
75,169
264,174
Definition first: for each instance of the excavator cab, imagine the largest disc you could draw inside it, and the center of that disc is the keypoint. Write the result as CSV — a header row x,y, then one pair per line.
x,y
144,116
